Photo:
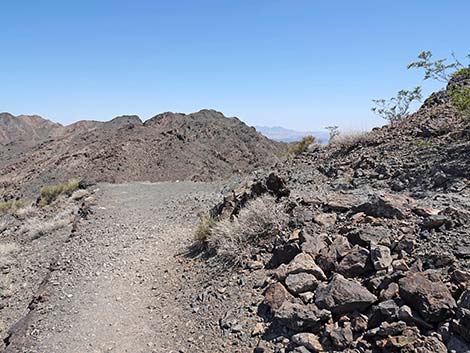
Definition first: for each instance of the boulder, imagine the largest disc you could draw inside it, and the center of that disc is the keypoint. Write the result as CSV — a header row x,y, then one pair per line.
x,y
428,295
313,244
343,295
386,205
341,337
301,282
355,263
370,235
275,295
305,263
300,317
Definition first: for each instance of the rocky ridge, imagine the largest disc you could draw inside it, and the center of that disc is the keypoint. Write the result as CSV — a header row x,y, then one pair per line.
x,y
202,146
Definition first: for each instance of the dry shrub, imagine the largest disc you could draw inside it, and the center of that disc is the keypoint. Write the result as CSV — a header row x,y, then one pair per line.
x,y
351,139
235,241
301,146
11,206
50,193
204,230
37,227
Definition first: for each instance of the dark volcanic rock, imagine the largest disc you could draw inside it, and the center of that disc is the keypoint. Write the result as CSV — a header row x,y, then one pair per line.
x,y
427,295
342,295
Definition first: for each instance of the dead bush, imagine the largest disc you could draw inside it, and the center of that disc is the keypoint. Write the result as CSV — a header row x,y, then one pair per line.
x,y
38,227
235,241
351,139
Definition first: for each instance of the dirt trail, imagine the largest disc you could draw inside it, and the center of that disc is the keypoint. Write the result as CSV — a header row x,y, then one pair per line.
x,y
116,284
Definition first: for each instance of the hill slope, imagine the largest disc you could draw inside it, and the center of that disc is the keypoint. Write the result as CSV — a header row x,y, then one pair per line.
x,y
373,254
200,146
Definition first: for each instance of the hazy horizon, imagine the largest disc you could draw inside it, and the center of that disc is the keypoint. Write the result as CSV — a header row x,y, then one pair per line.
x,y
270,63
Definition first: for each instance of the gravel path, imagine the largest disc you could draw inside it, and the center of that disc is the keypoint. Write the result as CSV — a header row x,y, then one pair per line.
x,y
115,286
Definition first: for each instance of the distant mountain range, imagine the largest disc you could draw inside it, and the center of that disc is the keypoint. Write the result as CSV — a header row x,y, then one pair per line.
x,y
281,134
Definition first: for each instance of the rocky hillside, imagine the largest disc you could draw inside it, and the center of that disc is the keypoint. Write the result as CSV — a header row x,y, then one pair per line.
x,y
375,253
199,146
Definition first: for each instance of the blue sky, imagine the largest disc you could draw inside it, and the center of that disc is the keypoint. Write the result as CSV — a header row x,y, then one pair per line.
x,y
301,64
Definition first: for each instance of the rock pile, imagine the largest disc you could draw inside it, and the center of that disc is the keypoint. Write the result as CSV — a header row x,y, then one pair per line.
x,y
376,254
348,277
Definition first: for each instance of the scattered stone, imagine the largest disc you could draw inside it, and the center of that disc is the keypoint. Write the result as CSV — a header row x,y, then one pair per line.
x,y
380,257
325,219
341,337
307,340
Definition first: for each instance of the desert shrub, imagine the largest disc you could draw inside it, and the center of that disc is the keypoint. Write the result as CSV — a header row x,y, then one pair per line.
x,y
235,241
50,193
37,227
460,94
204,230
333,132
461,100
300,146
351,139
397,107
11,206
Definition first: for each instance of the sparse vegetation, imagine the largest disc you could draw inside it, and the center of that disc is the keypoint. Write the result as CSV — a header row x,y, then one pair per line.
x,y
301,146
397,107
442,71
204,229
11,206
333,130
50,193
234,241
460,95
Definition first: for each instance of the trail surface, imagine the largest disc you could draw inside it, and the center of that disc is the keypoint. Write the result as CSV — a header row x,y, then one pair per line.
x,y
116,286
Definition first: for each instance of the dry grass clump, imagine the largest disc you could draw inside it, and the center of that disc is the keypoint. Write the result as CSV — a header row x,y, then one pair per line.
x,y
301,146
37,227
204,230
50,193
11,206
351,139
235,241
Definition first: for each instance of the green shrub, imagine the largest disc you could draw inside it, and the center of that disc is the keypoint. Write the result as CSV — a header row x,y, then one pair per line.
x,y
11,205
50,193
461,100
301,146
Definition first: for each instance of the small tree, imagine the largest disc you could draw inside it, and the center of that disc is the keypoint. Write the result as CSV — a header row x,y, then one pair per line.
x,y
438,69
442,71
333,130
397,107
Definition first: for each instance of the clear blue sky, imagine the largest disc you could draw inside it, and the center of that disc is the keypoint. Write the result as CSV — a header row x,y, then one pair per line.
x,y
301,64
